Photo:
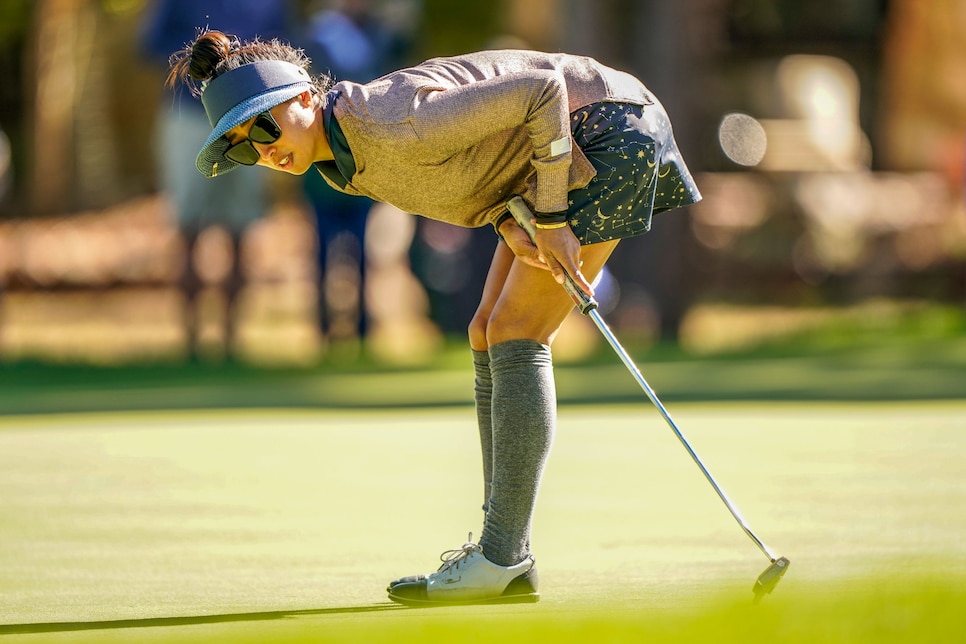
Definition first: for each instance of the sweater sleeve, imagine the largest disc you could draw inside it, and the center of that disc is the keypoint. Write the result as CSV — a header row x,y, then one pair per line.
x,y
448,120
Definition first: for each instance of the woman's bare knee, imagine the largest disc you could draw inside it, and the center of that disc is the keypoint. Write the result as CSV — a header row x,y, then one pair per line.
x,y
477,332
495,278
532,305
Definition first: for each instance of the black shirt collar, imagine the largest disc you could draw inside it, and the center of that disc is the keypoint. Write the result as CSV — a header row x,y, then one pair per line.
x,y
343,168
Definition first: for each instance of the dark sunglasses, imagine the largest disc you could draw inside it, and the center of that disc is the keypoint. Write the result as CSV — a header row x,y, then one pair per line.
x,y
264,130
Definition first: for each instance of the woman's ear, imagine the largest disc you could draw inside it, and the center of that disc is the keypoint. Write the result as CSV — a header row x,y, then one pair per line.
x,y
306,97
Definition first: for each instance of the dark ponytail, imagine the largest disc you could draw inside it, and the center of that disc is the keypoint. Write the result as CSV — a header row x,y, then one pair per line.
x,y
200,61
208,52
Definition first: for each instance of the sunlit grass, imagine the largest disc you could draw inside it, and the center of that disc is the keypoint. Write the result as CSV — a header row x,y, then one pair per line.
x,y
284,526
716,329
874,610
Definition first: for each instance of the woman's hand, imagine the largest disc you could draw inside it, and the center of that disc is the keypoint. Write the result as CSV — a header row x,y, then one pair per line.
x,y
556,250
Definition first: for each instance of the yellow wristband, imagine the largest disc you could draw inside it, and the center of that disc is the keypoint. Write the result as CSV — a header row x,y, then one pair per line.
x,y
552,226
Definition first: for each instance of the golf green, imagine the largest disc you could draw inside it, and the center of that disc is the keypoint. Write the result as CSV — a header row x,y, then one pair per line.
x,y
283,525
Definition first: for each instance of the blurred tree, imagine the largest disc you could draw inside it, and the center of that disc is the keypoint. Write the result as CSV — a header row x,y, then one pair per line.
x,y
57,48
924,108
78,82
14,19
450,28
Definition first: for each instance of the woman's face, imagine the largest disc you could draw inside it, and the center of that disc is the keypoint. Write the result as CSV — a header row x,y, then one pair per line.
x,y
298,146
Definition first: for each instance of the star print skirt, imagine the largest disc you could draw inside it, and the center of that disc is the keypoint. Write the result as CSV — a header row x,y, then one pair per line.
x,y
639,171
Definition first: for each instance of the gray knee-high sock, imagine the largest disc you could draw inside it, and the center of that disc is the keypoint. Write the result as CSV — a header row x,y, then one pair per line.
x,y
524,417
483,394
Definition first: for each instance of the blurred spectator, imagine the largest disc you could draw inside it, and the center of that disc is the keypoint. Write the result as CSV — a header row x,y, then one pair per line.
x,y
451,263
347,40
233,202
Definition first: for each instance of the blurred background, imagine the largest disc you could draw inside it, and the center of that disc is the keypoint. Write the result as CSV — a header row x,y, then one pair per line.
x,y
828,138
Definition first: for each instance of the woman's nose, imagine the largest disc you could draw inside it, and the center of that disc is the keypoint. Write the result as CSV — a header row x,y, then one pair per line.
x,y
265,150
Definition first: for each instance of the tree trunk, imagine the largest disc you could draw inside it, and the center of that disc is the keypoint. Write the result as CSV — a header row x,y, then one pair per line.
x,y
54,61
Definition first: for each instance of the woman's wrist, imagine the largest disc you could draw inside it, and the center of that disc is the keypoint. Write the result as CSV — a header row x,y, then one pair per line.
x,y
559,217
502,219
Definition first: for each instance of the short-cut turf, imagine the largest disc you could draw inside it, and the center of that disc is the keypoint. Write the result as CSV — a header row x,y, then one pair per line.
x,y
285,526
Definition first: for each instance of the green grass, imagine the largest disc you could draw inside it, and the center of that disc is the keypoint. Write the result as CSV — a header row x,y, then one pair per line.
x,y
903,327
911,366
284,525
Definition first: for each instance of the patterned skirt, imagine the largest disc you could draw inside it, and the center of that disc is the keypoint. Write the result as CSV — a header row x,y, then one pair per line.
x,y
639,171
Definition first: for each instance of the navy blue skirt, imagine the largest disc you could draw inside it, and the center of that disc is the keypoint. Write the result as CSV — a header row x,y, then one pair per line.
x,y
639,171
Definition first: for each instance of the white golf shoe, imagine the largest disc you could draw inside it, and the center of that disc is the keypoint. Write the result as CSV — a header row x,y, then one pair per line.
x,y
467,577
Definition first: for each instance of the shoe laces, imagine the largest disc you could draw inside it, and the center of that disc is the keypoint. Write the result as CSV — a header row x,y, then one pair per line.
x,y
453,558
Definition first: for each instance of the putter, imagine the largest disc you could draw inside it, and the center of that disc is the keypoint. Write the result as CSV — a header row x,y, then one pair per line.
x,y
587,305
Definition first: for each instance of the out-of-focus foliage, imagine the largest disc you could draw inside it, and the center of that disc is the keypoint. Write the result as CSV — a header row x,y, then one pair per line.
x,y
457,27
14,16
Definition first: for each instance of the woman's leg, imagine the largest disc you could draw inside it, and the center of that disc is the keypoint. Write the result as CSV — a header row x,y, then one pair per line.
x,y
522,310
483,383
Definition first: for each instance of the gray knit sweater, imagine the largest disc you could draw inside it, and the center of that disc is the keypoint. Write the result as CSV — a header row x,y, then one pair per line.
x,y
453,138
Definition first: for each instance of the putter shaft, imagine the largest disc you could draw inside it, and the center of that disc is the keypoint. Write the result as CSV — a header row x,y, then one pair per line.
x,y
588,306
626,359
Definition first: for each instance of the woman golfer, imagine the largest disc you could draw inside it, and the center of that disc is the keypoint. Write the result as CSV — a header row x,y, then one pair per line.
x,y
589,149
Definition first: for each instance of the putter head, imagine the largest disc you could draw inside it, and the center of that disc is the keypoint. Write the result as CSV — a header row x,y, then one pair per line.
x,y
770,578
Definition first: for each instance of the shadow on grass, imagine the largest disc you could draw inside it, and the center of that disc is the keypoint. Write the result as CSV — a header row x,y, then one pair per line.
x,y
191,620
905,369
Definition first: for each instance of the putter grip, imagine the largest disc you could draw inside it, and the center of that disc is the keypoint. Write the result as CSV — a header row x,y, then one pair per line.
x,y
521,213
